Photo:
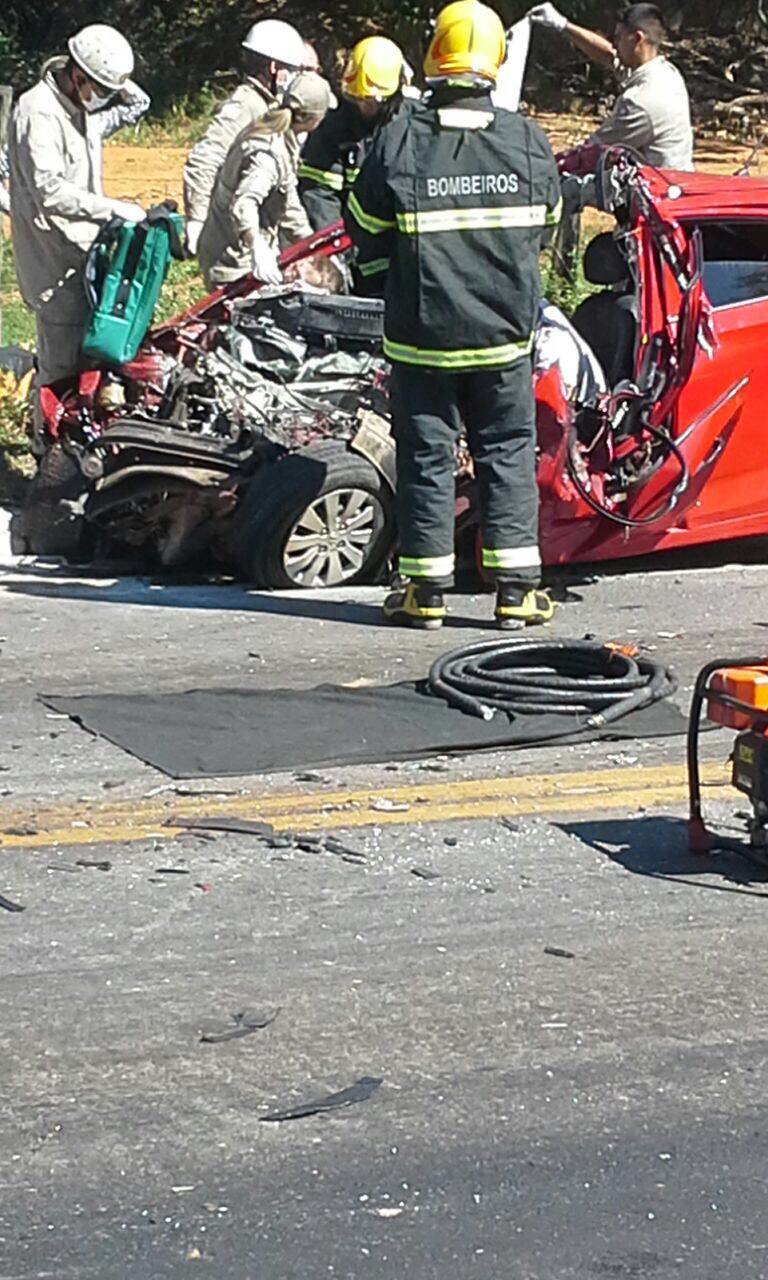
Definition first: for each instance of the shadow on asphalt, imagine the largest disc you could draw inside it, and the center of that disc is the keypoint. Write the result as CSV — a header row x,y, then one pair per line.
x,y
658,847
226,597
196,594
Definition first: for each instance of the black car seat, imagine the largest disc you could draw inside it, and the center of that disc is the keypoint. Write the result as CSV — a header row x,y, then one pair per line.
x,y
608,321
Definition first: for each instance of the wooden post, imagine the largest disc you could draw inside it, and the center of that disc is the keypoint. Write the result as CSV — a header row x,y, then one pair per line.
x,y
6,99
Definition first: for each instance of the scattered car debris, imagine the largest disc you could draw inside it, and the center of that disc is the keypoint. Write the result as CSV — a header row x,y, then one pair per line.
x,y
172,871
425,873
96,864
340,850
510,825
20,831
389,806
561,952
360,1091
306,842
245,1024
310,777
238,826
199,792
7,905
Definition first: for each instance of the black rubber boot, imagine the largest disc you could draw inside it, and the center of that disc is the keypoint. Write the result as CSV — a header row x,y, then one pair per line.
x,y
418,605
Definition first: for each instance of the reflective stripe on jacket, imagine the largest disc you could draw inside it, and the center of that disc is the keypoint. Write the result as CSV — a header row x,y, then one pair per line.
x,y
454,203
330,163
250,101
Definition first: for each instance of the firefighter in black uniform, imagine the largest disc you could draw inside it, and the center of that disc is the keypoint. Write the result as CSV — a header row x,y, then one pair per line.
x,y
332,155
456,198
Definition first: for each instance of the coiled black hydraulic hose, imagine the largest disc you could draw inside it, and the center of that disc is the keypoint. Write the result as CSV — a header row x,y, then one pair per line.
x,y
589,683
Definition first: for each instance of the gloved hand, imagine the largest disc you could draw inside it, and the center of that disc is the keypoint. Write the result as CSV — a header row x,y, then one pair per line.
x,y
127,211
193,235
546,15
264,264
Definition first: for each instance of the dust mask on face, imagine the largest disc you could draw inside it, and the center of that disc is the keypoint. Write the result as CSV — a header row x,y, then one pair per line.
x,y
96,102
93,103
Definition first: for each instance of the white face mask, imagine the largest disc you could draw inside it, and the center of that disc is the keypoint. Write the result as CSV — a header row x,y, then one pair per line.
x,y
93,104
96,102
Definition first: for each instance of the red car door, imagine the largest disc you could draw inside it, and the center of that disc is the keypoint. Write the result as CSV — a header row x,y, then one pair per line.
x,y
734,500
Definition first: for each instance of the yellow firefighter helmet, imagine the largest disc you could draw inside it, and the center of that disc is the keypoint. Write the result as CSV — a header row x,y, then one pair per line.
x,y
469,40
374,69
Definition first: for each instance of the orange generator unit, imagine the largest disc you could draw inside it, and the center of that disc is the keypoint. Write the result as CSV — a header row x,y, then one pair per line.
x,y
734,694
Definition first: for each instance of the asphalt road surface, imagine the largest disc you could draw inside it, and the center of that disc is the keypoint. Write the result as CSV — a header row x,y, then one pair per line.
x,y
564,1011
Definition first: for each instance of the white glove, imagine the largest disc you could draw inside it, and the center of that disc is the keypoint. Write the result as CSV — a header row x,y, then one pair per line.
x,y
264,264
546,15
127,211
193,236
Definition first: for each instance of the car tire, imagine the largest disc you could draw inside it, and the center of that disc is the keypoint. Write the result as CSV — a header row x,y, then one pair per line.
x,y
47,527
295,501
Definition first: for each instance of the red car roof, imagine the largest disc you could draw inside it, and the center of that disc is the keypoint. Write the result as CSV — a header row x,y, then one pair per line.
x,y
707,194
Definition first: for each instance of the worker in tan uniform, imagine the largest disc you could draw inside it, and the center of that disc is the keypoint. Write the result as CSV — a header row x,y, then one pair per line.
x,y
274,51
255,210
652,114
58,205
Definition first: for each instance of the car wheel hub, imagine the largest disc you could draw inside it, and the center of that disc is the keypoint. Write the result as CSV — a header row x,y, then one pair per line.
x,y
330,541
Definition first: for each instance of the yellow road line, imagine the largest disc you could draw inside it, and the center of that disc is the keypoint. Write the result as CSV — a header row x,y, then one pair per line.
x,y
586,791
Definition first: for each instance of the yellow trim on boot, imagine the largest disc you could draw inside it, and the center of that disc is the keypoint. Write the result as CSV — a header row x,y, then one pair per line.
x,y
535,608
402,607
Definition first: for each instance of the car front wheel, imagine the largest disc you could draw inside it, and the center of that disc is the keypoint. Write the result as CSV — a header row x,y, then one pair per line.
x,y
322,517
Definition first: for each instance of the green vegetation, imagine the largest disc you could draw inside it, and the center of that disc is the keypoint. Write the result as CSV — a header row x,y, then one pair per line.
x,y
18,325
14,416
180,126
183,287
187,50
565,294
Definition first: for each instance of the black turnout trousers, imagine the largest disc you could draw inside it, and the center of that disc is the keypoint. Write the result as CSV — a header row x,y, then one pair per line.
x,y
494,409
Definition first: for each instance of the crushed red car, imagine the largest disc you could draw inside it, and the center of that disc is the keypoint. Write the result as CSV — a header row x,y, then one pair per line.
x,y
254,427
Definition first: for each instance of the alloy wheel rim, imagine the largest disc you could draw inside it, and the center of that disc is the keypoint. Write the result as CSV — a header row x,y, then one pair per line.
x,y
330,541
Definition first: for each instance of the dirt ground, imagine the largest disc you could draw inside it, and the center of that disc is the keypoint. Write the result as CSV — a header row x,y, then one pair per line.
x,y
145,174
151,174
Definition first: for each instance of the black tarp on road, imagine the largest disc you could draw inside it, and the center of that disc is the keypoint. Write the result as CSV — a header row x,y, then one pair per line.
x,y
203,733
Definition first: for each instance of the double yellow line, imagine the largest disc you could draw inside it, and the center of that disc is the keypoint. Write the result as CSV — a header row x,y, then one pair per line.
x,y
589,791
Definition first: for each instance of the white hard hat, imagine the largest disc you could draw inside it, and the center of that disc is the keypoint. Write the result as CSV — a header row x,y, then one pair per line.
x,y
103,54
278,41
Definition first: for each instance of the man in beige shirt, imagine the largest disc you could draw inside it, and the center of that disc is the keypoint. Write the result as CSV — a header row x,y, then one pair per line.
x,y
652,112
